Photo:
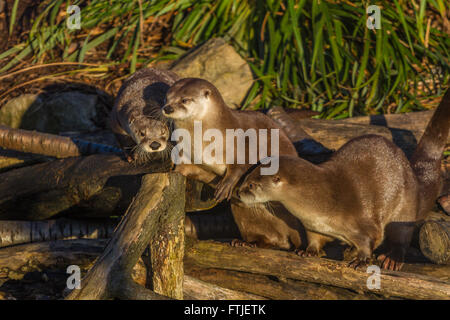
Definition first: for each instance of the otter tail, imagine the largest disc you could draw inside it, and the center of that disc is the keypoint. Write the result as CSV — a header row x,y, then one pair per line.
x,y
426,159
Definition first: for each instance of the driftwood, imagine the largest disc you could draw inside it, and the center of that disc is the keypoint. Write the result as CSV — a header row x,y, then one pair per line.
x,y
252,276
276,289
404,129
218,224
195,289
92,186
434,239
316,270
23,232
157,207
415,122
49,144
16,262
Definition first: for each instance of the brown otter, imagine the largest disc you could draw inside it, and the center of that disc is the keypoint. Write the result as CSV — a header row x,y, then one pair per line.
x,y
136,117
193,99
366,194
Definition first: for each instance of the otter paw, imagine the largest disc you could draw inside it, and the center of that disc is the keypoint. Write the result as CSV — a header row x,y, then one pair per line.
x,y
391,261
223,191
241,243
358,262
309,252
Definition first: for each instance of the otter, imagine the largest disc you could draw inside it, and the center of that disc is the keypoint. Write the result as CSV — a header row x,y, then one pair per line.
x,y
136,120
367,194
193,99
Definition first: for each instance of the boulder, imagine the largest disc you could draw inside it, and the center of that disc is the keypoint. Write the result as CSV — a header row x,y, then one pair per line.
x,y
12,113
218,62
59,112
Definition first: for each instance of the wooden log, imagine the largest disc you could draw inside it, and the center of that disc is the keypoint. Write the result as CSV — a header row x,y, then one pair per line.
x,y
10,159
110,276
200,290
99,183
167,245
411,121
49,144
317,270
272,288
213,225
334,134
94,186
434,239
415,121
23,232
17,261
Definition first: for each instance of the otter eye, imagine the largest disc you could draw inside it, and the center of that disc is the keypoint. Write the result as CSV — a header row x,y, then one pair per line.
x,y
184,101
251,186
142,133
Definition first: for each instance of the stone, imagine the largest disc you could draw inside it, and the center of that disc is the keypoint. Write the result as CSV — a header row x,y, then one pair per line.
x,y
218,62
59,112
11,114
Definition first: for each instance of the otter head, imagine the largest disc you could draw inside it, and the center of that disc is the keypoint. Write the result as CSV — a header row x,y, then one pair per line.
x,y
190,99
150,135
258,188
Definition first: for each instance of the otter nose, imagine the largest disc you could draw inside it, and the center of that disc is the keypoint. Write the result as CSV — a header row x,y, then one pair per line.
x,y
168,109
155,145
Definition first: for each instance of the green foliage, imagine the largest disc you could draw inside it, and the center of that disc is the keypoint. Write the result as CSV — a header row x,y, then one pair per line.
x,y
311,53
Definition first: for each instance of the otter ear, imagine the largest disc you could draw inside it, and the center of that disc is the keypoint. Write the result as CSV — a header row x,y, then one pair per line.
x,y
276,179
206,93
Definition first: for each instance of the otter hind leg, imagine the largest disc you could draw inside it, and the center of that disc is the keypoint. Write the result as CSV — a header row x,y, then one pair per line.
x,y
398,239
364,245
257,225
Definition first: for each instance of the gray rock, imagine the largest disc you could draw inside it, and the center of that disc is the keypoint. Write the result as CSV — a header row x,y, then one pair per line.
x,y
60,112
11,114
218,62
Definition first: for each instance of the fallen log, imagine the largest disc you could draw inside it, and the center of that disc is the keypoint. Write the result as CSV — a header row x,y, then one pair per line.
x,y
200,290
16,262
215,225
157,206
415,122
93,186
23,232
334,134
316,270
10,159
271,288
434,240
50,144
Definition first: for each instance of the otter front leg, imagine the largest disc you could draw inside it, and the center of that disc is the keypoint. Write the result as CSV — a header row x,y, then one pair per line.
x,y
316,241
127,144
195,172
225,187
